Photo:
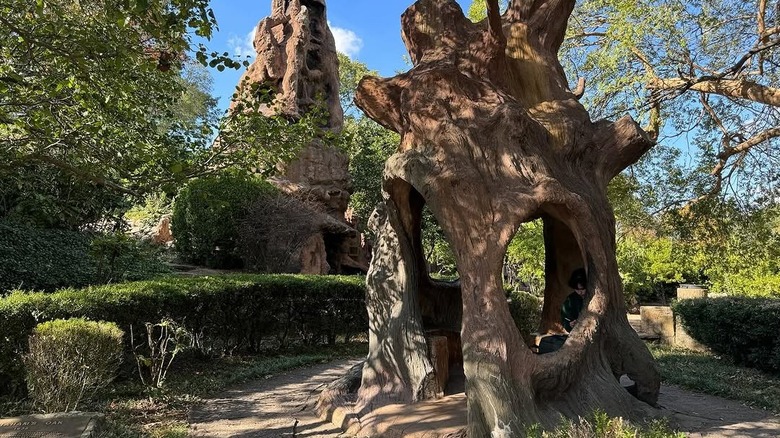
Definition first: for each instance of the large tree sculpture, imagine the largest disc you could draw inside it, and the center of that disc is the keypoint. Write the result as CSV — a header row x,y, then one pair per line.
x,y
492,136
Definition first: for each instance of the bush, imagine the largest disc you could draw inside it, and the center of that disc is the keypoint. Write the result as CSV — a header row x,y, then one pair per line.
x,y
46,259
275,230
224,314
34,258
742,328
206,214
68,359
526,310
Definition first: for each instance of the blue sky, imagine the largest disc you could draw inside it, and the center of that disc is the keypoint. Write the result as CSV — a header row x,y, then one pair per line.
x,y
366,30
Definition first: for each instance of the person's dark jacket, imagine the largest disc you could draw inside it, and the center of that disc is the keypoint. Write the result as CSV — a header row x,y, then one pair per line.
x,y
571,309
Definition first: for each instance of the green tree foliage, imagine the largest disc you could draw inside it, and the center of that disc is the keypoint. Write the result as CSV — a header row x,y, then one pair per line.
x,y
697,72
368,144
478,9
85,87
524,263
99,105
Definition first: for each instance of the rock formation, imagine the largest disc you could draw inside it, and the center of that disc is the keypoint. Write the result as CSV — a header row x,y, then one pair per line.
x,y
297,64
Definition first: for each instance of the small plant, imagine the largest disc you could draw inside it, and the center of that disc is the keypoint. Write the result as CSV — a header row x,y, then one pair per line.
x,y
526,310
70,359
601,425
164,341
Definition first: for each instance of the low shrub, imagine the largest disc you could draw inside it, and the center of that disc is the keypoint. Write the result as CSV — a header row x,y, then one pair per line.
x,y
47,259
69,359
224,314
206,216
526,310
742,328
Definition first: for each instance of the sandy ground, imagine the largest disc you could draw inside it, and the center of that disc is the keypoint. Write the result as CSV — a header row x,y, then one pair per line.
x,y
283,406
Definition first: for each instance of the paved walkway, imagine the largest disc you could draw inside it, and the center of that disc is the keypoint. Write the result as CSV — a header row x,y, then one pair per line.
x,y
283,406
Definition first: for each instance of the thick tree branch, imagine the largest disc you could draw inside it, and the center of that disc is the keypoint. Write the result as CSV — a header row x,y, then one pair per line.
x,y
751,142
549,21
654,126
494,21
621,144
380,99
736,88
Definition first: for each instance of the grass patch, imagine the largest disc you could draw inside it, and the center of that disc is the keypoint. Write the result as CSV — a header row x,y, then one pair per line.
x,y
601,425
133,410
710,374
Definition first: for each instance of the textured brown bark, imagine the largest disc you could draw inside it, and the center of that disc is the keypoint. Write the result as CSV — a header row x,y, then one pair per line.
x,y
491,137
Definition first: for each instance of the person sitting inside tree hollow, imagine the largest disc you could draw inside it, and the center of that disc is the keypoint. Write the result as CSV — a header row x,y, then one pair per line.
x,y
570,311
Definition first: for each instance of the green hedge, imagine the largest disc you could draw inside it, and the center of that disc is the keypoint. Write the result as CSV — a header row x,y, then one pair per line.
x,y
526,310
33,258
46,259
744,329
225,313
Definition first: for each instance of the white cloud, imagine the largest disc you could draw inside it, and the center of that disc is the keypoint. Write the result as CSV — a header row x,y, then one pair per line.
x,y
347,41
242,47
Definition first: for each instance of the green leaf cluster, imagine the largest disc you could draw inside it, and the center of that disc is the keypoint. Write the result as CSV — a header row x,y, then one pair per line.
x,y
207,213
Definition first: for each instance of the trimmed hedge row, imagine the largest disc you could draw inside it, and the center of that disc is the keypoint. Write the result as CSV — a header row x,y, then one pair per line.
x,y
744,329
224,313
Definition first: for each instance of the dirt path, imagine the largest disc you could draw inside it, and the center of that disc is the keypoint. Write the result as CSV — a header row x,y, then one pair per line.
x,y
283,406
703,415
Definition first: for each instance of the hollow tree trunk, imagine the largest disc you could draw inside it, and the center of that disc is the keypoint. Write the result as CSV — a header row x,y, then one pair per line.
x,y
491,136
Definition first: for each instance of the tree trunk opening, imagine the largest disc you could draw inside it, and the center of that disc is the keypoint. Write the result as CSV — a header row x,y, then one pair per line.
x,y
491,137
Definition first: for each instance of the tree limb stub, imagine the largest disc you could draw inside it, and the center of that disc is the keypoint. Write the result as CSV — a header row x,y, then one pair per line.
x,y
624,142
380,99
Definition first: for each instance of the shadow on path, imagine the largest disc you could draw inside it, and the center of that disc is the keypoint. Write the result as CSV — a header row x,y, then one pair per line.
x,y
283,406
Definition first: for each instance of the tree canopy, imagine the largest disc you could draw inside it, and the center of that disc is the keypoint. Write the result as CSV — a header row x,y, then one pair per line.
x,y
701,73
100,101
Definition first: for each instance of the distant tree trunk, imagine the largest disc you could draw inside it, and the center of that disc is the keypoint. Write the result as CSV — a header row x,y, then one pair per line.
x,y
491,137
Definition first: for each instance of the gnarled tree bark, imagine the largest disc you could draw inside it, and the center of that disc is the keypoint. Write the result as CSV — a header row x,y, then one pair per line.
x,y
491,137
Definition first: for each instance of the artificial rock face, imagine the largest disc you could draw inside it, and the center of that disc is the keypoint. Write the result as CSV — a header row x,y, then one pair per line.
x,y
297,63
